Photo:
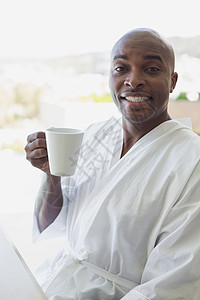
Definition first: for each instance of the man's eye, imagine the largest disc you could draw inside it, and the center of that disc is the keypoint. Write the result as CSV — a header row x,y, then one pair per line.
x,y
119,69
152,69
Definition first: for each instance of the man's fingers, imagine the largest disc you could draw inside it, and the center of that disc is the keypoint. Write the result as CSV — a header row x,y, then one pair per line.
x,y
35,141
35,144
36,154
36,151
36,135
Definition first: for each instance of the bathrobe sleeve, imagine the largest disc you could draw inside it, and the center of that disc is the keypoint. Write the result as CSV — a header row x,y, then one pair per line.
x,y
172,270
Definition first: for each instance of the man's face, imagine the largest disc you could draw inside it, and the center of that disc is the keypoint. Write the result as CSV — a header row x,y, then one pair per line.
x,y
141,78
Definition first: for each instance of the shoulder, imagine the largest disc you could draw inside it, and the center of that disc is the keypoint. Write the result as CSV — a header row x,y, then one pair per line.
x,y
186,140
179,142
188,136
181,130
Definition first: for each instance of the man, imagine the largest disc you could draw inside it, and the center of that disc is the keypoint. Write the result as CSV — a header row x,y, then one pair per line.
x,y
131,212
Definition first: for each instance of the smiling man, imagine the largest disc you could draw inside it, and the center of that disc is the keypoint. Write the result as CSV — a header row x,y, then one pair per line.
x,y
130,214
141,78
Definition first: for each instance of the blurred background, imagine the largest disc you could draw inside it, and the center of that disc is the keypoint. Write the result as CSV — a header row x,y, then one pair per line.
x,y
54,62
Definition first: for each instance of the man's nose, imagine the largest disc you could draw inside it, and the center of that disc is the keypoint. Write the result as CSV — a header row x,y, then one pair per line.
x,y
134,80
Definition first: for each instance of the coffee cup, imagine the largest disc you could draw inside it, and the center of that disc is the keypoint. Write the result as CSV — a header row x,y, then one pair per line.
x,y
63,146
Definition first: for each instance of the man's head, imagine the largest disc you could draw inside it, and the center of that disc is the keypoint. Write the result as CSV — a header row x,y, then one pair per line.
x,y
142,76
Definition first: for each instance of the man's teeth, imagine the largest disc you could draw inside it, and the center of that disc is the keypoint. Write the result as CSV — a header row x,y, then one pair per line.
x,y
136,99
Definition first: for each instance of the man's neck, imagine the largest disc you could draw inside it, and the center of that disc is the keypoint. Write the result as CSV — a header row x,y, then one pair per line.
x,y
133,132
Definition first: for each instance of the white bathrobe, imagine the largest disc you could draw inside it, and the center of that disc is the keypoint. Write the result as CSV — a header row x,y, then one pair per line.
x,y
132,225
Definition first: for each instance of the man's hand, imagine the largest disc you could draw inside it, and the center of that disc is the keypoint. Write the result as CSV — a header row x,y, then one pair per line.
x,y
49,199
36,151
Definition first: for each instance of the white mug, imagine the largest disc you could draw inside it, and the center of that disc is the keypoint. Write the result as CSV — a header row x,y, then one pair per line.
x,y
63,146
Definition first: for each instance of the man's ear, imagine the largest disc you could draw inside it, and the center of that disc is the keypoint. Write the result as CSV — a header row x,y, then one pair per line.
x,y
174,79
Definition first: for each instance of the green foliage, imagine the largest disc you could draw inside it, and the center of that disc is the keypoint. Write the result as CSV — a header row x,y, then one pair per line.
x,y
97,99
16,146
182,96
19,102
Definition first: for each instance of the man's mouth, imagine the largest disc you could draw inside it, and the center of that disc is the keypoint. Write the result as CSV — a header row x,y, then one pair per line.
x,y
137,98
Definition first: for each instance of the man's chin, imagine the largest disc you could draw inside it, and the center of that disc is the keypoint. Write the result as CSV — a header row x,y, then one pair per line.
x,y
139,117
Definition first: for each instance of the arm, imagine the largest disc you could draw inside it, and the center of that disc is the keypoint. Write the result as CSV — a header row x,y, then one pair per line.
x,y
49,200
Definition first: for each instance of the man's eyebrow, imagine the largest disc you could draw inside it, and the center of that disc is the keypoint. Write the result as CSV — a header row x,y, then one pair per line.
x,y
120,56
146,57
152,57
